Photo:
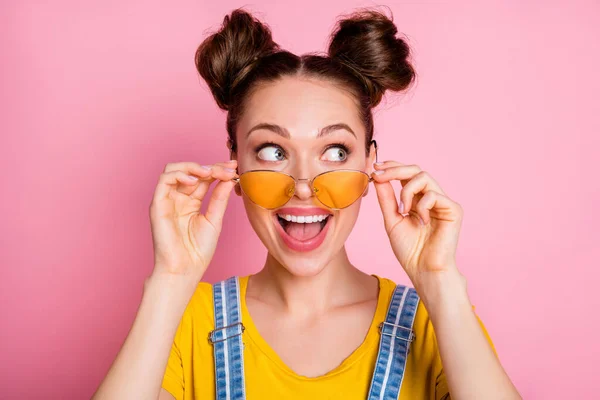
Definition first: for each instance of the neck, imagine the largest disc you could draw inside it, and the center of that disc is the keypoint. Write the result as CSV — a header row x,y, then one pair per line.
x,y
338,283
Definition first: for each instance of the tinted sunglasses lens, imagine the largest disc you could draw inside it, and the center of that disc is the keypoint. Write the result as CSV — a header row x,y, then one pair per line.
x,y
339,189
268,189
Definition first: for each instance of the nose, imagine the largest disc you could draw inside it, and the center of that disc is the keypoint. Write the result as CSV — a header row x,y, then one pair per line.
x,y
303,171
303,190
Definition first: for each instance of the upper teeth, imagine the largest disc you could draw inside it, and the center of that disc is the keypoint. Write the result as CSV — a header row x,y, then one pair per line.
x,y
303,219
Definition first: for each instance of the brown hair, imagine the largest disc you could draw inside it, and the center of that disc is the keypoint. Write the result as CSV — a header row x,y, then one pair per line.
x,y
364,57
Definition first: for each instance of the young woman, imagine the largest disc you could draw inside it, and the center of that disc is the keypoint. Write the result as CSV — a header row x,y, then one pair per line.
x,y
310,324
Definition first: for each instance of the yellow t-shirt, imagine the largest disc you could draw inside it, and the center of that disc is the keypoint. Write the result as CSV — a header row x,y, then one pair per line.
x,y
190,371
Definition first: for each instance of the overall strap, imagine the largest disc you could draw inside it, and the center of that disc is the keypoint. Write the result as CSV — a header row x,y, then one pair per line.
x,y
394,345
227,340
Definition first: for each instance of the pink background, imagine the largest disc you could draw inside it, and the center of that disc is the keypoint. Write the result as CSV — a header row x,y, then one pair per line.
x,y
96,98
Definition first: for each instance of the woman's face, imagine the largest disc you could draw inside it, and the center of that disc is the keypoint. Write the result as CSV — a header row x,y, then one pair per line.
x,y
300,108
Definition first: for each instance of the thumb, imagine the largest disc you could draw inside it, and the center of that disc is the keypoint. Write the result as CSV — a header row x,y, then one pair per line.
x,y
218,203
388,203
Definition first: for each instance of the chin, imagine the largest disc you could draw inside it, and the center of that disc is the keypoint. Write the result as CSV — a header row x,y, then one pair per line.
x,y
301,266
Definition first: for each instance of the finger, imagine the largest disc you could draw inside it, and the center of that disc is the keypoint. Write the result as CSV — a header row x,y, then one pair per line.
x,y
167,181
418,186
387,164
218,203
438,205
217,172
190,166
193,169
223,172
388,204
206,175
403,173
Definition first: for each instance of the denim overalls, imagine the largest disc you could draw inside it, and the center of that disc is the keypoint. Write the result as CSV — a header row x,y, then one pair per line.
x,y
396,336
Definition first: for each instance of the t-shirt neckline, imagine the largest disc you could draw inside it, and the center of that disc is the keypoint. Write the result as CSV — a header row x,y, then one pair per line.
x,y
370,340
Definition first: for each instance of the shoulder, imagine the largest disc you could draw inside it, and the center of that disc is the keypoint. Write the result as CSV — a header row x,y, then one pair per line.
x,y
197,321
423,327
200,309
422,324
202,297
199,312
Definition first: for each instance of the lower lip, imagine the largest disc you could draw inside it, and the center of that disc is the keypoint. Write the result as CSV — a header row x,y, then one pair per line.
x,y
302,245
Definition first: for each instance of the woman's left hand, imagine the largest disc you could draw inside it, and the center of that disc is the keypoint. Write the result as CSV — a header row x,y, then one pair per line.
x,y
425,249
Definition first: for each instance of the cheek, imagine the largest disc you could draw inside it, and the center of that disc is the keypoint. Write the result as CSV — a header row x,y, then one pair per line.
x,y
347,218
259,218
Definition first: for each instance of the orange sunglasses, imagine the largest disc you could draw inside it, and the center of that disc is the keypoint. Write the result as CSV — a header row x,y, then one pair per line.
x,y
334,189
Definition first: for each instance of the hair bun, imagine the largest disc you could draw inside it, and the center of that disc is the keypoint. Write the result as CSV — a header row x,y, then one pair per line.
x,y
227,56
366,42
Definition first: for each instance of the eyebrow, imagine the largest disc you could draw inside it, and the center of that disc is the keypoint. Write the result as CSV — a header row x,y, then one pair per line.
x,y
286,134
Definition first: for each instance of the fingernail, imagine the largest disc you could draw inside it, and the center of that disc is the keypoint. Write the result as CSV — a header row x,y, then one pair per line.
x,y
232,161
401,207
229,169
206,166
378,163
379,172
421,221
193,177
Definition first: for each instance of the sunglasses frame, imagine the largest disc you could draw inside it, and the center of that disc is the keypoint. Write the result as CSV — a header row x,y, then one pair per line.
x,y
310,183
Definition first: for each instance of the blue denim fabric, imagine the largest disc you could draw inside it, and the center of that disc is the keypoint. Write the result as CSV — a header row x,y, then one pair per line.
x,y
394,344
227,341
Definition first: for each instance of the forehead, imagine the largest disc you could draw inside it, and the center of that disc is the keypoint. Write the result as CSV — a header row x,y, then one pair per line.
x,y
301,105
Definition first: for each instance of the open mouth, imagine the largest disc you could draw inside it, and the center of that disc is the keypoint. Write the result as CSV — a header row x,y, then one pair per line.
x,y
303,229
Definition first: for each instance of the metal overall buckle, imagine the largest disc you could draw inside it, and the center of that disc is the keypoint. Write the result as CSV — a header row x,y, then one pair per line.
x,y
211,334
411,335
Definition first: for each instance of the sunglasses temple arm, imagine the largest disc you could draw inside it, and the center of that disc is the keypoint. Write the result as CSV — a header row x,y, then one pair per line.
x,y
376,155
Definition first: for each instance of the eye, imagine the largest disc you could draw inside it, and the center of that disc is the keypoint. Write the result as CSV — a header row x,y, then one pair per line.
x,y
271,153
335,153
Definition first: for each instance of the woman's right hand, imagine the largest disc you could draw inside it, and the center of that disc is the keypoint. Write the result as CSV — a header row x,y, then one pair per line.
x,y
184,239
